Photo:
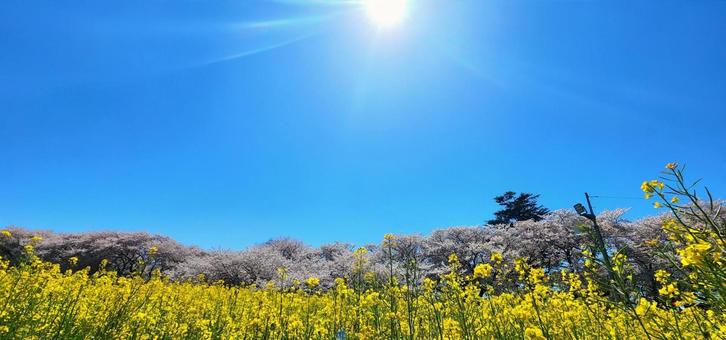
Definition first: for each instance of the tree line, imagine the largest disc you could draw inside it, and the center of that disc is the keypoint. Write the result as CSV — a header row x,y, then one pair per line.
x,y
552,241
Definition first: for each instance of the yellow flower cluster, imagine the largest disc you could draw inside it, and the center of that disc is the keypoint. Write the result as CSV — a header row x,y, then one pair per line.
x,y
693,254
650,187
696,232
483,270
40,301
312,282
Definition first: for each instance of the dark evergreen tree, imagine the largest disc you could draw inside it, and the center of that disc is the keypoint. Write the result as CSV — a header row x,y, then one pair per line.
x,y
520,207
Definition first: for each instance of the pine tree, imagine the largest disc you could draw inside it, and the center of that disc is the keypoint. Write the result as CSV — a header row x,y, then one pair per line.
x,y
520,207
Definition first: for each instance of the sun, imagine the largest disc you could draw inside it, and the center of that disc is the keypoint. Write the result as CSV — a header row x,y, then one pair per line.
x,y
386,13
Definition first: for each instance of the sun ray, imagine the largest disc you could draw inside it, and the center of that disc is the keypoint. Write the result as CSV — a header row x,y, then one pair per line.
x,y
258,50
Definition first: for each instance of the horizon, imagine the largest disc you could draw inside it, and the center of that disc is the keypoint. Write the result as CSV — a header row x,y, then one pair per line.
x,y
225,124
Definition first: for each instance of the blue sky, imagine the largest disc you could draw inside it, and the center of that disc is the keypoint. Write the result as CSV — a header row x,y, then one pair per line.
x,y
225,123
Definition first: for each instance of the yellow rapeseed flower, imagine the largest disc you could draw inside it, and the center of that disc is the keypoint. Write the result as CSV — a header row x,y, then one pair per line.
x,y
6,233
693,254
670,290
652,186
644,307
645,186
534,333
453,259
312,282
661,275
496,257
482,270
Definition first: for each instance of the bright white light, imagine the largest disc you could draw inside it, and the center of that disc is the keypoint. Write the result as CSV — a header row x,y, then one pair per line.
x,y
386,13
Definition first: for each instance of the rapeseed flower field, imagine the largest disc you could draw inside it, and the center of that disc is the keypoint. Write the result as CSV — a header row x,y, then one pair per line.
x,y
41,302
498,299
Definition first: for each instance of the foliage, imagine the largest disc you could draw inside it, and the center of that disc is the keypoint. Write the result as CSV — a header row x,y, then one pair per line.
x,y
559,277
696,244
520,207
125,253
41,301
553,243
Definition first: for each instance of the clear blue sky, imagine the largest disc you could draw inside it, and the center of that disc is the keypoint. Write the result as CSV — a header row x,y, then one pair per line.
x,y
226,123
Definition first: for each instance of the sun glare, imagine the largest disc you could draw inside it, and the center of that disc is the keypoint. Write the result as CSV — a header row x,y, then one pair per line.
x,y
386,13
